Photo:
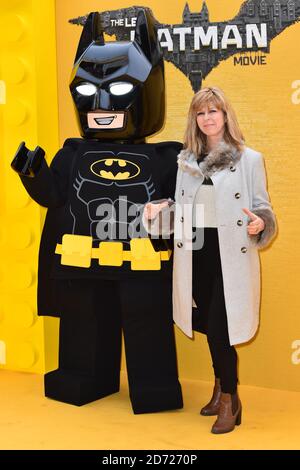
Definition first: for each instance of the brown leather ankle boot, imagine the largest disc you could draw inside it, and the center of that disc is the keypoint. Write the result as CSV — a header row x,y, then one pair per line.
x,y
212,408
230,414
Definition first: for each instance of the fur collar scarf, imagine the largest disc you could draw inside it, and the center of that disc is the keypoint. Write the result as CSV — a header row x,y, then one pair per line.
x,y
223,156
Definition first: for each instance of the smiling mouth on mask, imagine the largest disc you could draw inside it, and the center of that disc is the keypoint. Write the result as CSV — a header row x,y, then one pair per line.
x,y
105,121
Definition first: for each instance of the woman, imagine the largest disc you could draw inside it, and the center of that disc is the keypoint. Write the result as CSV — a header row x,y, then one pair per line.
x,y
220,194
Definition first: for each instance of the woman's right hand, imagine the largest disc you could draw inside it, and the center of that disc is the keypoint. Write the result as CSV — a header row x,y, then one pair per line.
x,y
151,210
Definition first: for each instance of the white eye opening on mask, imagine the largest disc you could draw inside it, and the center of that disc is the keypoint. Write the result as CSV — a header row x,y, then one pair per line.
x,y
120,88
88,89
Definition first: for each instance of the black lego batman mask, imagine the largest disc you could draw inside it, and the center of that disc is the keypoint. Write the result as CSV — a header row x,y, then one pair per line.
x,y
118,87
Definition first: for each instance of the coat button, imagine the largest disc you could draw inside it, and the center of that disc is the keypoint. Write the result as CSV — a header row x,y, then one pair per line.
x,y
243,249
232,168
180,245
181,219
182,192
240,222
237,195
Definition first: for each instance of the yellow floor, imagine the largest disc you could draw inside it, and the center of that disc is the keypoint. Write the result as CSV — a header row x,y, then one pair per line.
x,y
271,420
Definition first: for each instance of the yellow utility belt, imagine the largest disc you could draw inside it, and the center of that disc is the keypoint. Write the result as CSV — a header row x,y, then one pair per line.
x,y
77,250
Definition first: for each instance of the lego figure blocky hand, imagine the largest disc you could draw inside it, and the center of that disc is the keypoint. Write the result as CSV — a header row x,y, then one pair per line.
x,y
26,162
97,268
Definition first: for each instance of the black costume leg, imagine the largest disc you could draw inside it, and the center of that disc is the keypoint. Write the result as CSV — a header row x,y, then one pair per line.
x,y
89,343
150,345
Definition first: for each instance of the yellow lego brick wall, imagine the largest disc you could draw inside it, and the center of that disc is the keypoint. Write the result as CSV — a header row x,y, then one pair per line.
x,y
28,111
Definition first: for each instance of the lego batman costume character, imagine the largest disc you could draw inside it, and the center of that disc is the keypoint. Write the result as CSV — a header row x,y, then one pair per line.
x,y
98,271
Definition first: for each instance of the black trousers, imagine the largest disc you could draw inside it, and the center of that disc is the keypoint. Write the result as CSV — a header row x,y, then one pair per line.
x,y
210,315
93,314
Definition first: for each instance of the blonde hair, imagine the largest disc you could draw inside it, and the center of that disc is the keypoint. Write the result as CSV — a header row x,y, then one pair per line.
x,y
194,139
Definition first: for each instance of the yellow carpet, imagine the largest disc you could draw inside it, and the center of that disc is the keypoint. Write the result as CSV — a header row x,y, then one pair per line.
x,y
28,420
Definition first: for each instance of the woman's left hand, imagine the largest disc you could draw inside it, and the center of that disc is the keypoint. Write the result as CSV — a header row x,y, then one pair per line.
x,y
256,225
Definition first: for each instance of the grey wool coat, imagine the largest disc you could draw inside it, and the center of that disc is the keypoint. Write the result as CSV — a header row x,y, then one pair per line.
x,y
239,182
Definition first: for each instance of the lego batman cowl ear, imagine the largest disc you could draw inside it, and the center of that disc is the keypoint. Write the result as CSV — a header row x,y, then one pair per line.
x,y
146,35
92,31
